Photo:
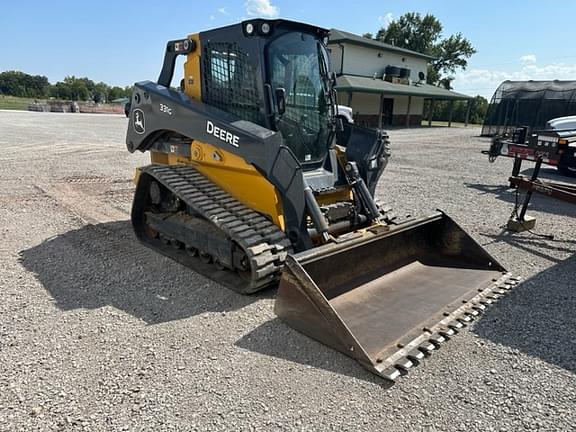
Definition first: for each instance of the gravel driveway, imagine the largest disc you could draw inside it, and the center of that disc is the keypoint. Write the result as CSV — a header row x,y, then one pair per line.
x,y
100,333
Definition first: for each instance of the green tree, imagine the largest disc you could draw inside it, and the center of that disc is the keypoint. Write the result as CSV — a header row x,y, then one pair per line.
x,y
60,90
79,89
478,108
116,93
20,84
424,34
412,31
101,93
128,91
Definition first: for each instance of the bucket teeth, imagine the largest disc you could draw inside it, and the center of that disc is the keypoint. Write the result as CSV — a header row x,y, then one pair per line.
x,y
437,339
472,309
456,325
391,373
480,308
404,364
427,348
415,356
447,333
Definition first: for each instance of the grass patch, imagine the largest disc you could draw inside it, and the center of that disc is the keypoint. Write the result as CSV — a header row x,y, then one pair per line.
x,y
15,103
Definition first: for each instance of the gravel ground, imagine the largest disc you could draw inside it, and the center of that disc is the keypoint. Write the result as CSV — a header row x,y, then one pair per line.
x,y
99,333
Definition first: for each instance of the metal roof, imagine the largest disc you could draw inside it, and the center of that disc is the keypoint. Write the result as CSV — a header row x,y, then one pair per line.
x,y
343,36
369,85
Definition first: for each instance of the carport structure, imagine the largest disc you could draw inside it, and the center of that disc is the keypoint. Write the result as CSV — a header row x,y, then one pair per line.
x,y
368,98
528,104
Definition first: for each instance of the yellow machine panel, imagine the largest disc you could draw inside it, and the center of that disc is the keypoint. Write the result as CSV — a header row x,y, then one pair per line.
x,y
233,174
192,76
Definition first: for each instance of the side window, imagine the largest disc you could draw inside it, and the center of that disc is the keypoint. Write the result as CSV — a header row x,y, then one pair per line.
x,y
230,81
222,68
297,74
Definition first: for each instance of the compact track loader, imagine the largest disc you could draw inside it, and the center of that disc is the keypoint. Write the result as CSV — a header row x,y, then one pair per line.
x,y
248,186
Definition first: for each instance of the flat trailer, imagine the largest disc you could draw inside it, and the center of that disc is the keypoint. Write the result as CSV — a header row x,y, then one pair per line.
x,y
555,146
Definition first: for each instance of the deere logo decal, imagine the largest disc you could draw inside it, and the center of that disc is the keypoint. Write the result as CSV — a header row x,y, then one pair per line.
x,y
138,121
222,134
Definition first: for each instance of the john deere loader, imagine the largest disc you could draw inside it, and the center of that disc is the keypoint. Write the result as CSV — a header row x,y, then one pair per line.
x,y
248,186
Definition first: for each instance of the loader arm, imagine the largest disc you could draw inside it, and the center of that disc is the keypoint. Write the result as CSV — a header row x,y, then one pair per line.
x,y
260,147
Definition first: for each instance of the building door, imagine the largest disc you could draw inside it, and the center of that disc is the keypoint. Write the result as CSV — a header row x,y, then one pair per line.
x,y
387,111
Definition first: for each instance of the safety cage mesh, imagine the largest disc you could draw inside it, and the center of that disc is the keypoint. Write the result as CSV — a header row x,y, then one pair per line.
x,y
528,103
230,81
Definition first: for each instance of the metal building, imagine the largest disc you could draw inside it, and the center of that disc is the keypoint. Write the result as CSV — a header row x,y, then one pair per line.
x,y
384,84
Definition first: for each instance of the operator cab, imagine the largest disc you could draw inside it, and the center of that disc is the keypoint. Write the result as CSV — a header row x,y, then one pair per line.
x,y
274,73
297,70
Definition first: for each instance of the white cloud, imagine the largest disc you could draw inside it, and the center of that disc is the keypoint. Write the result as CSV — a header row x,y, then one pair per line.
x,y
528,58
223,11
485,82
261,8
385,20
212,17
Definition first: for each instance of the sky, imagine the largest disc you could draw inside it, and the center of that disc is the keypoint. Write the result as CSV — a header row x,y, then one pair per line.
x,y
122,41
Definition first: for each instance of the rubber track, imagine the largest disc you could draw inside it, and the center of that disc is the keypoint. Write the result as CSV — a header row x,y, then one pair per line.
x,y
265,245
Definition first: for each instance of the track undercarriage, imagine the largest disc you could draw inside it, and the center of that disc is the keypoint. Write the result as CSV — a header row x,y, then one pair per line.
x,y
185,216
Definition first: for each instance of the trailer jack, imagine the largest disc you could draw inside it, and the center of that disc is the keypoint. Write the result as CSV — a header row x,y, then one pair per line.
x,y
519,221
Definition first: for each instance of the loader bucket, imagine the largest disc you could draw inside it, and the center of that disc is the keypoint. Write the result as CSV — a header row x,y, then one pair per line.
x,y
389,298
